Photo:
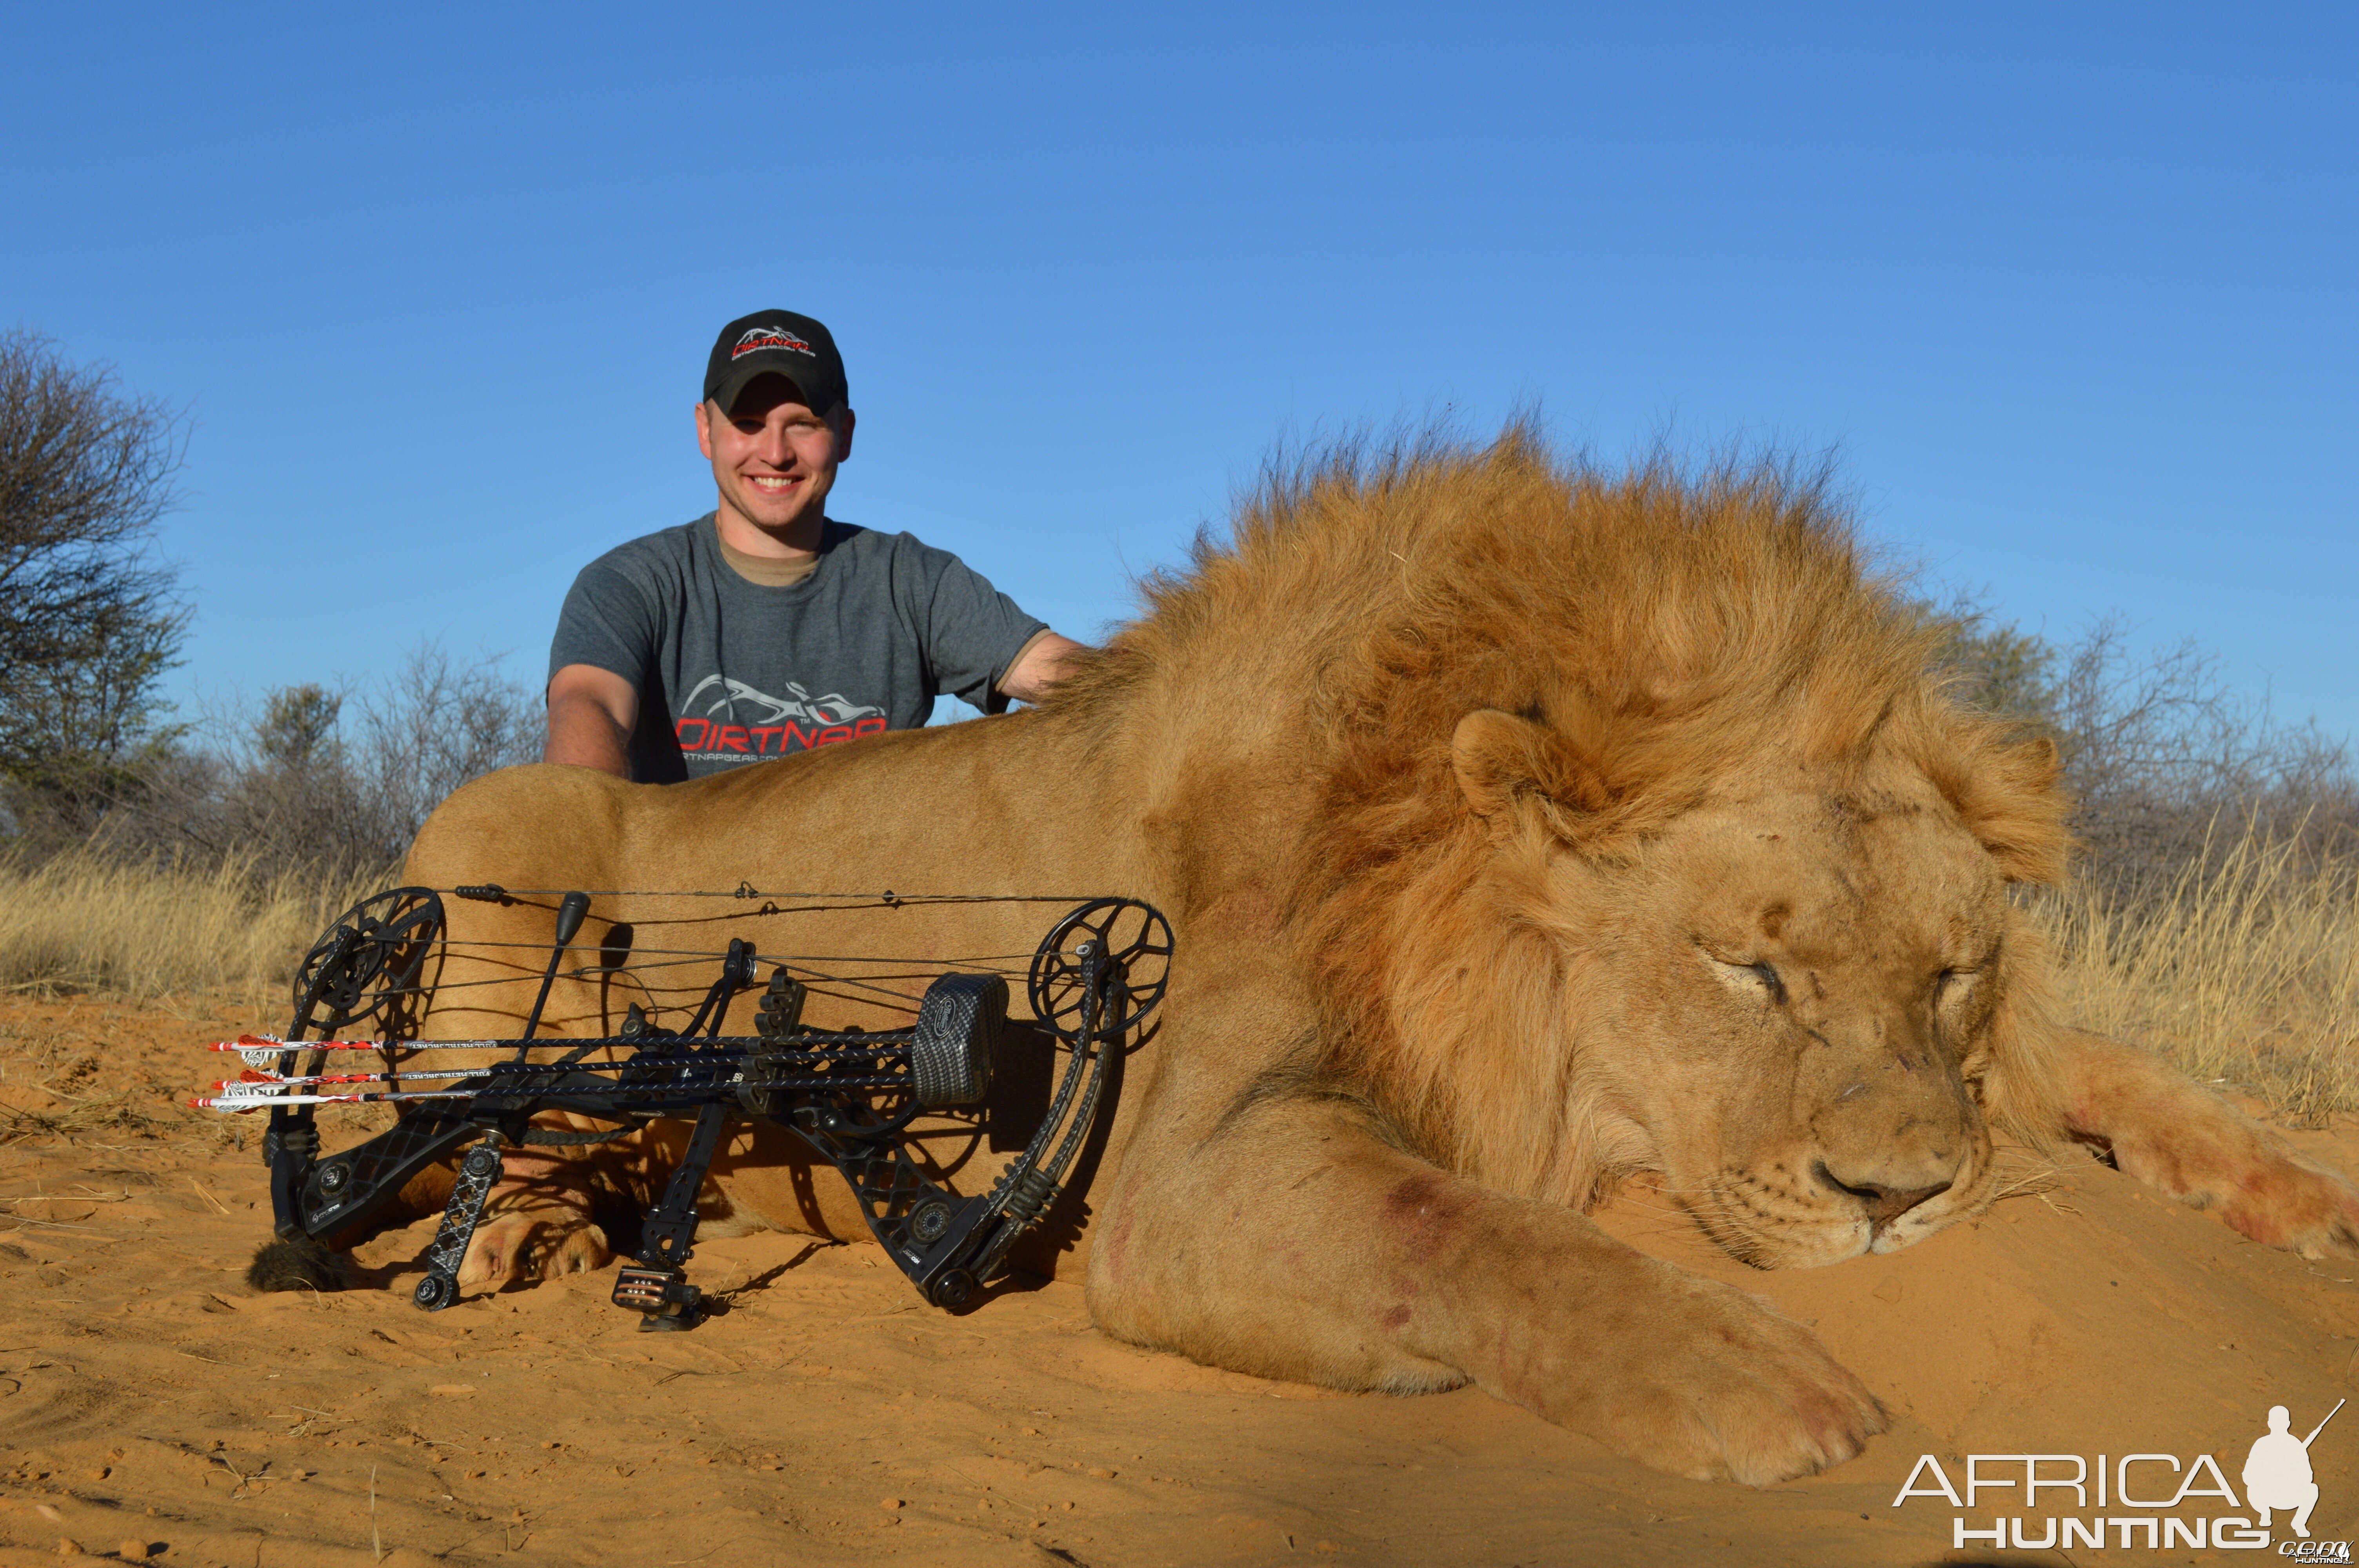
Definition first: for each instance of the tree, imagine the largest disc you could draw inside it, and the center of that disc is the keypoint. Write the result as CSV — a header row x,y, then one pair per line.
x,y
1999,669
298,727
89,619
430,726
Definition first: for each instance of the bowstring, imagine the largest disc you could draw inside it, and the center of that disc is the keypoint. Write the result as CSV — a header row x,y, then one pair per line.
x,y
1008,966
885,898
681,957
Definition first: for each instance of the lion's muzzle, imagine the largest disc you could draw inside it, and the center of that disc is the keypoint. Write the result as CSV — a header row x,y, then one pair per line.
x,y
1883,1204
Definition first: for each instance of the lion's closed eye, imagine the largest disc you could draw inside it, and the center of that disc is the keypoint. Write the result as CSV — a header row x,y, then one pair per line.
x,y
1756,977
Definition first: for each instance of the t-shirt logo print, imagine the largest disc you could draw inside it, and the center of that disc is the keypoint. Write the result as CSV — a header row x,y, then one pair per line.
x,y
832,709
742,723
759,338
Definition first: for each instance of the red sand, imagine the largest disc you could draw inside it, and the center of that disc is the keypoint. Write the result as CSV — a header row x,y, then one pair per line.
x,y
149,1401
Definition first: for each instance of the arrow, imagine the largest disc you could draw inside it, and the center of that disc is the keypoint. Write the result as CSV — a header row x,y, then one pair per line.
x,y
508,1071
266,1093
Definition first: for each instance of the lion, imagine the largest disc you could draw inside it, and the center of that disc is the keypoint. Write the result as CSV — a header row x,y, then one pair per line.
x,y
1525,826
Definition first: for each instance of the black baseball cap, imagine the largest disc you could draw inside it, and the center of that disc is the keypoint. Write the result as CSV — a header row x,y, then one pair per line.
x,y
776,343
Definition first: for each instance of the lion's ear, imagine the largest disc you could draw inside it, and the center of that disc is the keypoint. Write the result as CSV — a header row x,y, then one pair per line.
x,y
1502,760
2011,801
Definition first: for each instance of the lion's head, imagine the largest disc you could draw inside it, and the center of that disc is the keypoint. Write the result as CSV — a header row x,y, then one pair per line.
x,y
1646,842
1787,999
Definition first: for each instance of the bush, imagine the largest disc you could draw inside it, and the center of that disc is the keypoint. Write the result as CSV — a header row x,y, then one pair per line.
x,y
2169,767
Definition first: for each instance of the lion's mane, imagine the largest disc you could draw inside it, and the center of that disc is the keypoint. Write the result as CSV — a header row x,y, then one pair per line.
x,y
1679,634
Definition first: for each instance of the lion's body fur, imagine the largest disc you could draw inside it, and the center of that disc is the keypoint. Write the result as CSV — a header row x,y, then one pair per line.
x,y
1462,776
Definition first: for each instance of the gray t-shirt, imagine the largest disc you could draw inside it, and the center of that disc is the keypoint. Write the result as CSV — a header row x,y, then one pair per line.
x,y
731,672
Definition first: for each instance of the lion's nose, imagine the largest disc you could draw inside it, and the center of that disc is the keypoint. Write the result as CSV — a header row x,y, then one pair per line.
x,y
1884,1204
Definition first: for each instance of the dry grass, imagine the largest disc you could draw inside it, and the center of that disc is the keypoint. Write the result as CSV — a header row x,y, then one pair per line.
x,y
216,942
2245,973
120,1113
82,924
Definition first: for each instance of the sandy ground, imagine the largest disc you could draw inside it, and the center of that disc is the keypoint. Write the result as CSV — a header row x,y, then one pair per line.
x,y
150,1404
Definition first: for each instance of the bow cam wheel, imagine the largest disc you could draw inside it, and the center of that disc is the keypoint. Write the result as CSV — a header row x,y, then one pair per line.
x,y
1133,941
368,965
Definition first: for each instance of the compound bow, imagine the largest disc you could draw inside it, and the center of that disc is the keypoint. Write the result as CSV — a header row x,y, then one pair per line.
x,y
850,1093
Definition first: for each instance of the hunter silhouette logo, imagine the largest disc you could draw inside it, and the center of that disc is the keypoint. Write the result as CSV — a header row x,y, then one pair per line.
x,y
2277,1472
759,338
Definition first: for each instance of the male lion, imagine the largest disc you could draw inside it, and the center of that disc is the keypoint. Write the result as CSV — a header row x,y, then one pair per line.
x,y
1522,828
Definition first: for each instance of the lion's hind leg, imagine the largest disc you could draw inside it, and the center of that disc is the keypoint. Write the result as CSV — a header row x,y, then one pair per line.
x,y
2180,1137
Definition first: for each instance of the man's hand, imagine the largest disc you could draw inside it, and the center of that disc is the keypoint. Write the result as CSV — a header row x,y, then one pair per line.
x,y
1035,673
591,714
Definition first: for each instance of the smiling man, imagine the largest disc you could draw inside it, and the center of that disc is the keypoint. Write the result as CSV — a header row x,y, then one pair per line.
x,y
768,627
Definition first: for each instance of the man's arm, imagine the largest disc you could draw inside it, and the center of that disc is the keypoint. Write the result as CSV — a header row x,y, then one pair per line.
x,y
1035,671
591,715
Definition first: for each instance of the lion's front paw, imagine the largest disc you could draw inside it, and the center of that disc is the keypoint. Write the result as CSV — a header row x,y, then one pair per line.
x,y
532,1243
1716,1384
2282,1203
2185,1140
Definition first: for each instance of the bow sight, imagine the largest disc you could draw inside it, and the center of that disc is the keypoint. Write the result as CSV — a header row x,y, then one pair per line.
x,y
850,1093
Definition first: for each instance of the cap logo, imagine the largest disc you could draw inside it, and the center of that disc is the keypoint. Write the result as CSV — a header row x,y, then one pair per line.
x,y
759,338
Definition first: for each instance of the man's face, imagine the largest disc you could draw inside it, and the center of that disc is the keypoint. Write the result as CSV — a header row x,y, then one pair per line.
x,y
773,458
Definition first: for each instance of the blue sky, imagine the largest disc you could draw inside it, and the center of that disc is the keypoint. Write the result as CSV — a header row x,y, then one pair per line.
x,y
2071,287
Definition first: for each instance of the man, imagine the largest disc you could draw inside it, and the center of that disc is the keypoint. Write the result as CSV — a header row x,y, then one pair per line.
x,y
768,627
